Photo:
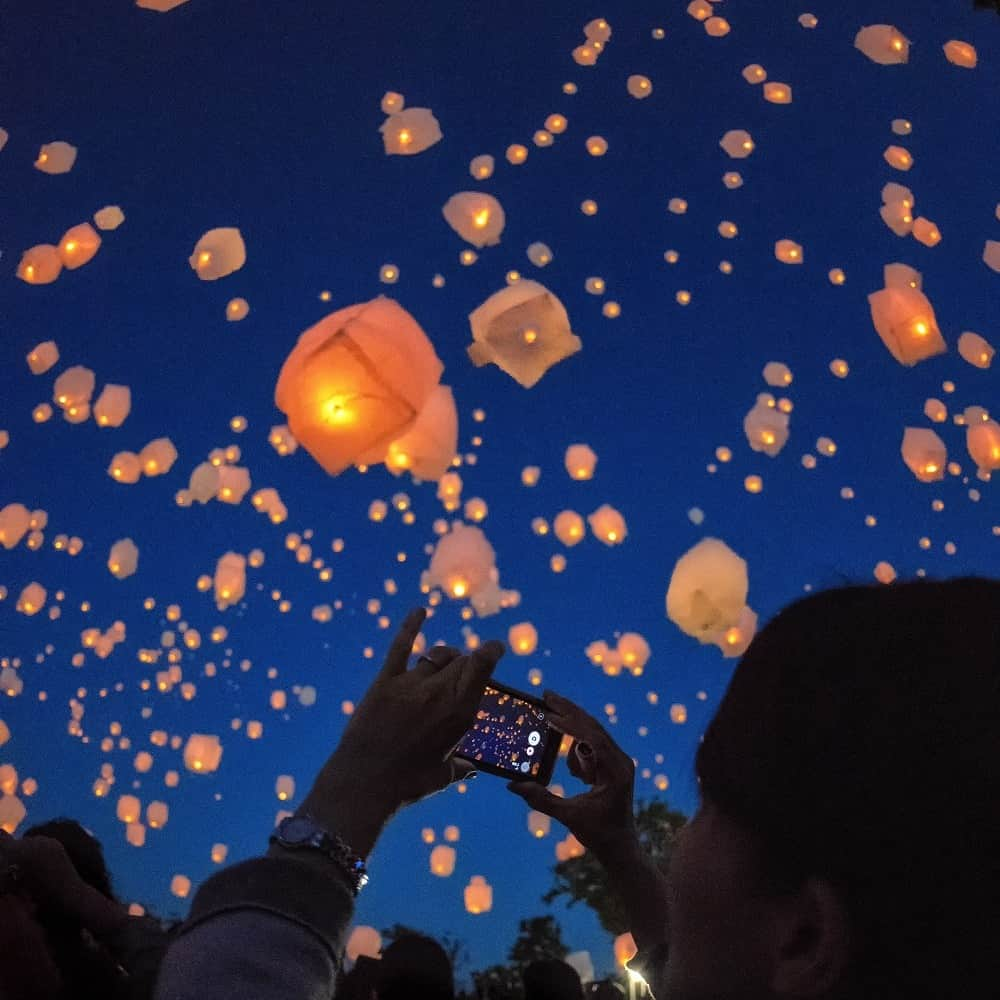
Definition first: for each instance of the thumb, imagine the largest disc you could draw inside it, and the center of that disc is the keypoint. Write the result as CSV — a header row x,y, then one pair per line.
x,y
540,798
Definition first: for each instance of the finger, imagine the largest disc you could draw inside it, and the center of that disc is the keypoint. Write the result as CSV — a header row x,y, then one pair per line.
x,y
434,659
399,652
540,798
568,717
466,676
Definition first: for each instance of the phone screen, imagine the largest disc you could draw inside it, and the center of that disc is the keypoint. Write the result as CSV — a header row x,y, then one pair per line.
x,y
511,737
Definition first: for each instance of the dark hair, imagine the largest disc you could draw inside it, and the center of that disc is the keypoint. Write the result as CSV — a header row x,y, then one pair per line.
x,y
859,740
415,965
84,851
551,979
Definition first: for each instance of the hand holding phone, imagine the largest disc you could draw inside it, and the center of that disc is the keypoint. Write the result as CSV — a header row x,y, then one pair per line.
x,y
511,736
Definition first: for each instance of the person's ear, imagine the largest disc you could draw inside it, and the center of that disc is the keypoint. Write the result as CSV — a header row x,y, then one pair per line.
x,y
812,943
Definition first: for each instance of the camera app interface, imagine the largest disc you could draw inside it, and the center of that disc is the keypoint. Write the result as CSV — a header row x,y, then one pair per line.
x,y
509,733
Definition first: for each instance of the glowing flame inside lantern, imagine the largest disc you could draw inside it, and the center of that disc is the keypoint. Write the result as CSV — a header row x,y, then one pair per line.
x,y
481,217
334,410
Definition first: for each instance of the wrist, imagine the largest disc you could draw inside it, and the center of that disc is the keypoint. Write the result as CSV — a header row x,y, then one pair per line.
x,y
347,811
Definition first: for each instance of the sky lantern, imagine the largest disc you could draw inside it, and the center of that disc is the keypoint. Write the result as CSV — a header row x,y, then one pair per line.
x,y
42,357
4,732
356,381
991,255
569,527
580,461
975,349
32,599
478,895
452,834
12,812
426,450
113,405
808,20
926,232
462,562
924,453
481,167
634,651
625,949
607,525
40,265
237,309
157,814
234,484
125,467
218,253
364,941
158,457
677,206
777,93
123,560
129,809
904,319
539,254
902,276
219,853
410,131
716,27
898,216
15,521
160,6
538,824
639,86
284,787
885,572
392,102
8,779
961,54
522,639
708,590
766,427
442,860
476,216
524,330
777,374
530,475
180,885
788,252
56,158
883,44
108,218
202,753
737,143
754,73
935,410
735,640
230,580
204,482
982,438
79,245
898,157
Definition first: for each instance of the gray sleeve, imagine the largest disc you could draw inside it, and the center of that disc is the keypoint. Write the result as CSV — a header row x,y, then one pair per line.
x,y
271,928
250,954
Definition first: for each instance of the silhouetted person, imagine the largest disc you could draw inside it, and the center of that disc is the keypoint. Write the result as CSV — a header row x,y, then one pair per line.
x,y
415,966
551,979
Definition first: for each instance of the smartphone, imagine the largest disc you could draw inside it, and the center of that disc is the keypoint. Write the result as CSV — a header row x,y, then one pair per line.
x,y
511,736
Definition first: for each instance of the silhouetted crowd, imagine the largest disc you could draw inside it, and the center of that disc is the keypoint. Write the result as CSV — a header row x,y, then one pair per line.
x,y
846,847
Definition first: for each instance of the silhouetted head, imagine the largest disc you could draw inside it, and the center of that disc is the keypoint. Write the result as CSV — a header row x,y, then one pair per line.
x,y
849,834
415,966
84,851
551,979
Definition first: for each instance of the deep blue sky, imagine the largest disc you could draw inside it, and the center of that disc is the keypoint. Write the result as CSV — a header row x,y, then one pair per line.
x,y
265,116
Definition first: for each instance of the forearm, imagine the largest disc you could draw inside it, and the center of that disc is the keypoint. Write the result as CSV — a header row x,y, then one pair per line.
x,y
642,888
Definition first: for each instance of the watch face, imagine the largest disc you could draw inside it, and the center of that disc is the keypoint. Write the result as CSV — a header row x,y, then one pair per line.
x,y
297,829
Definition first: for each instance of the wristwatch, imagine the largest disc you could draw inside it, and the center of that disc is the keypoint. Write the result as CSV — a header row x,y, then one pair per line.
x,y
304,833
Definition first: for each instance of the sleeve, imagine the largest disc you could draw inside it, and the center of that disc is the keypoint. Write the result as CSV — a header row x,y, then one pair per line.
x,y
270,928
138,946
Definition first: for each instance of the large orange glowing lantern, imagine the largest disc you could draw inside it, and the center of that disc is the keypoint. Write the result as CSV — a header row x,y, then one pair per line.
x,y
708,590
476,216
983,441
924,453
356,381
904,319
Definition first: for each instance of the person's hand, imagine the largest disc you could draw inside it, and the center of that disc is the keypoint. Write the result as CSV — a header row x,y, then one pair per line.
x,y
396,747
44,868
601,818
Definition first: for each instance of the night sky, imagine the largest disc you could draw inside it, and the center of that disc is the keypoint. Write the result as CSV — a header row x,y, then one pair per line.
x,y
265,116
